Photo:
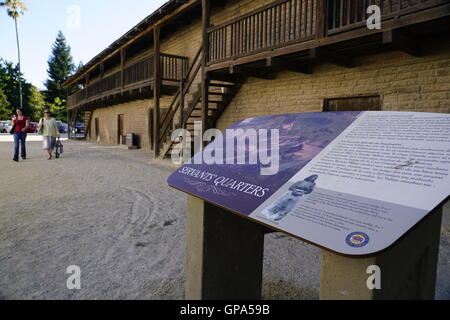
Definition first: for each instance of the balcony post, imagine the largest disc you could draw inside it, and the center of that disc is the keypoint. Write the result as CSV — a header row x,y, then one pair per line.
x,y
156,88
321,19
205,51
181,102
102,70
86,85
122,64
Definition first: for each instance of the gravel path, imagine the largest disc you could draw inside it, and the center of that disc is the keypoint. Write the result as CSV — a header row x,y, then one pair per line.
x,y
110,212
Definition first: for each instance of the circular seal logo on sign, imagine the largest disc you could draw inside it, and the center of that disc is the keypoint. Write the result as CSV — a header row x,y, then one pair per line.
x,y
357,239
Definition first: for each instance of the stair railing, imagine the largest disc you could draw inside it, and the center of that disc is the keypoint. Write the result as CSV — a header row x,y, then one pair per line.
x,y
178,102
87,126
72,123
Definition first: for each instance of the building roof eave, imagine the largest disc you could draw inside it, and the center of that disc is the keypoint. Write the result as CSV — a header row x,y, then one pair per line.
x,y
166,9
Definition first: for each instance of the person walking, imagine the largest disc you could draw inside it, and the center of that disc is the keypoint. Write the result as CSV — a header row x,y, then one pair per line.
x,y
20,124
49,129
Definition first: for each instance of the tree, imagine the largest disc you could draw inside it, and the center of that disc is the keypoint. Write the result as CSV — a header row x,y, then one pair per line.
x,y
60,68
16,8
5,107
58,109
10,80
36,103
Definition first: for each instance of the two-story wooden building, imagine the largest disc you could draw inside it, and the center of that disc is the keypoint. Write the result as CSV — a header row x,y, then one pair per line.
x,y
219,61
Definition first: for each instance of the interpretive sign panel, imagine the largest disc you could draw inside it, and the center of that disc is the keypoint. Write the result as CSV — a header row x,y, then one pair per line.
x,y
352,182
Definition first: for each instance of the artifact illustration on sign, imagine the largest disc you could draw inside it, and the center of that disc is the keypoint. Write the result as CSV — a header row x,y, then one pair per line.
x,y
284,205
352,182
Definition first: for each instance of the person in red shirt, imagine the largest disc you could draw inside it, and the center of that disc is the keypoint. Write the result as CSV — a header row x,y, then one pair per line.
x,y
20,124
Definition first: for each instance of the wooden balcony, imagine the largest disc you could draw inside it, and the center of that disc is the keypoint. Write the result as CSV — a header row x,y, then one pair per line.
x,y
288,27
131,82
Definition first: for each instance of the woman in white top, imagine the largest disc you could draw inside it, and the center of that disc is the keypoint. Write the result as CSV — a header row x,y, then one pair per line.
x,y
50,132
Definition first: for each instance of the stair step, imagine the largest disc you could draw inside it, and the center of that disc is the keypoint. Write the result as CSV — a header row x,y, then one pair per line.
x,y
213,101
223,77
210,114
209,109
217,94
199,111
222,85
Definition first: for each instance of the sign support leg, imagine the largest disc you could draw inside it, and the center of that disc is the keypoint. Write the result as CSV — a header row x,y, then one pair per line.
x,y
224,254
407,269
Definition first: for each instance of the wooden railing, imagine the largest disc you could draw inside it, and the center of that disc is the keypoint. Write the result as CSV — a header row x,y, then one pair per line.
x,y
344,15
104,85
277,24
138,71
173,68
177,106
77,97
286,22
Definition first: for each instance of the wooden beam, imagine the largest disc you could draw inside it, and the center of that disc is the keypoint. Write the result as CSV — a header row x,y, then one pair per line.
x,y
321,19
86,85
290,65
261,73
332,57
144,32
122,64
226,77
102,70
156,89
401,42
206,16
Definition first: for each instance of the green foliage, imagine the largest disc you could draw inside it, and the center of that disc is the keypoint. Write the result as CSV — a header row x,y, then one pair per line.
x,y
58,109
5,107
36,103
60,67
9,93
14,8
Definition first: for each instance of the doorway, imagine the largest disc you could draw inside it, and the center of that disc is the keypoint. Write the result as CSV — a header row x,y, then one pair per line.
x,y
120,131
97,129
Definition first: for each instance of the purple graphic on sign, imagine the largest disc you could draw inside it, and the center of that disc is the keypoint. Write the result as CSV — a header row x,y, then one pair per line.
x,y
241,187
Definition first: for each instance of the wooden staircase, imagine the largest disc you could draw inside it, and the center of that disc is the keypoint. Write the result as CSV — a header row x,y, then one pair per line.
x,y
86,117
186,107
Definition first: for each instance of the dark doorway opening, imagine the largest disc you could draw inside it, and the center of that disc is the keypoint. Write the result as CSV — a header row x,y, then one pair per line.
x,y
120,131
97,129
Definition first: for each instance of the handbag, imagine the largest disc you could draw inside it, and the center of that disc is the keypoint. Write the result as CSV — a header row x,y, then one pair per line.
x,y
41,128
59,148
12,129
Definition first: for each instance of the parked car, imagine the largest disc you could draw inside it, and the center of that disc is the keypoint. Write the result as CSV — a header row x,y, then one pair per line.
x,y
79,126
5,126
33,127
62,127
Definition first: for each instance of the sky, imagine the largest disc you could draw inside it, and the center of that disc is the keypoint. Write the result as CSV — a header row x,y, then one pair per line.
x,y
89,26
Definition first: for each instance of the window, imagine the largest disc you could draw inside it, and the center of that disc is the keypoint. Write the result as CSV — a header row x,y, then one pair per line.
x,y
362,103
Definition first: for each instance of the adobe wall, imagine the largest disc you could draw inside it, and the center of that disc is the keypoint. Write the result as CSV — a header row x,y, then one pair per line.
x,y
404,82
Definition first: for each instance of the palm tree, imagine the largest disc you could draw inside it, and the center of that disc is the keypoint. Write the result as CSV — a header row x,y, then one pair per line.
x,y
16,8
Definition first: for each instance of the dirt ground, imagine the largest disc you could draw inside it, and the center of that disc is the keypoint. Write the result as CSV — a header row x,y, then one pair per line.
x,y
110,212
